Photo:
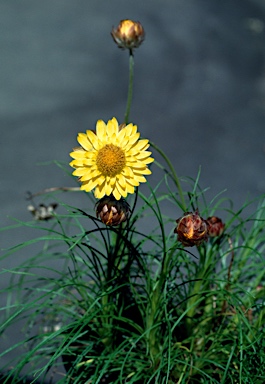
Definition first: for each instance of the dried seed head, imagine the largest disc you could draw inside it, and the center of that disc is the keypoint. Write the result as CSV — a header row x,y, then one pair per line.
x,y
111,211
191,229
43,212
129,34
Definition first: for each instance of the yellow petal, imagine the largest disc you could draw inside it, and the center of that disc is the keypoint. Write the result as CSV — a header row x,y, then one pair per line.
x,y
123,143
127,172
93,139
85,188
100,191
133,139
148,160
92,183
141,145
130,129
91,154
83,140
78,154
145,171
141,155
115,122
112,127
90,175
116,194
121,190
140,178
80,171
89,162
77,163
101,179
130,188
108,189
72,163
135,164
89,185
101,130
132,182
122,181
134,129
121,135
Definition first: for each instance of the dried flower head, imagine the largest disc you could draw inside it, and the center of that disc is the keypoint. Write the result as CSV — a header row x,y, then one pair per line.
x,y
191,229
111,211
43,212
112,160
129,34
215,226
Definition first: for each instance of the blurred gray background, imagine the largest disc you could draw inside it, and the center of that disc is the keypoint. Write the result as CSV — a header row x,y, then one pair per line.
x,y
199,92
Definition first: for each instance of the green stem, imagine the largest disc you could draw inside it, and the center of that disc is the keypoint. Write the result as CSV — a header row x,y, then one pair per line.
x,y
130,88
152,318
200,285
174,175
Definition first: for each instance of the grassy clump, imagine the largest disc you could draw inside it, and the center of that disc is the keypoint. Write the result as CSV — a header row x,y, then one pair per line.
x,y
126,306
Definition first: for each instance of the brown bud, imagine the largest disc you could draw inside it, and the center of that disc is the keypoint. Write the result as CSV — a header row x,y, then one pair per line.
x,y
191,229
215,226
129,34
111,211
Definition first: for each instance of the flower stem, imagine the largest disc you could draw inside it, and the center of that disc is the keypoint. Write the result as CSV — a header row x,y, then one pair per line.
x,y
201,285
154,316
174,175
130,88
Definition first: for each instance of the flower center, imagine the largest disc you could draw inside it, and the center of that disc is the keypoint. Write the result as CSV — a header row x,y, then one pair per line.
x,y
110,160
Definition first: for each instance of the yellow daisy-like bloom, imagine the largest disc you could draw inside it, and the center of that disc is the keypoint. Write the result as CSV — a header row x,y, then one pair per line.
x,y
112,160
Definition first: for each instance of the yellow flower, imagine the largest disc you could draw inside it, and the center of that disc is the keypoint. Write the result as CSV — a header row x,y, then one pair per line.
x,y
113,160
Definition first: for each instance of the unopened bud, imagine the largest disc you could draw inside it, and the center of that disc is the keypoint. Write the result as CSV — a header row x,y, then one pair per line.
x,y
215,226
129,34
191,229
111,211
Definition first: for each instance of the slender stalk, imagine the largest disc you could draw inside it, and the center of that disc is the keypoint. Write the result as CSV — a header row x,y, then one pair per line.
x,y
174,175
200,285
130,88
152,318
